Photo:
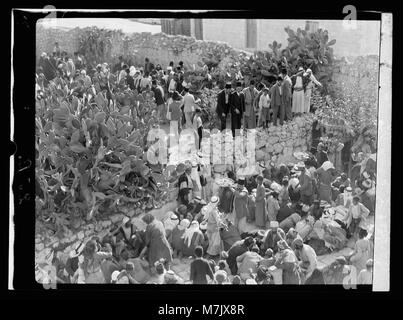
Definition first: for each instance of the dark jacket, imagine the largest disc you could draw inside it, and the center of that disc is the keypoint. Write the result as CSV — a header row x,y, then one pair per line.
x,y
159,99
130,82
222,107
286,96
237,102
275,96
199,269
321,157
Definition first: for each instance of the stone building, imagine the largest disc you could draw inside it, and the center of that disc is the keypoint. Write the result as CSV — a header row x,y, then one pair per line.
x,y
253,34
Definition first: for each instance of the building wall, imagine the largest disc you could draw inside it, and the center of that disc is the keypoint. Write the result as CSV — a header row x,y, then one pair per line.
x,y
363,40
232,31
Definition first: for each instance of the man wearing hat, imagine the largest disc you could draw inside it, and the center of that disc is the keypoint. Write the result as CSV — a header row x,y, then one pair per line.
x,y
272,236
237,107
311,81
307,256
250,95
223,108
276,101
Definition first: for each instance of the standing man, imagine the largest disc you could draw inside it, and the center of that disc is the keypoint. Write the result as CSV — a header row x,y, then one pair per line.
x,y
276,101
189,104
286,95
250,94
148,67
306,186
200,268
264,106
223,105
159,100
237,108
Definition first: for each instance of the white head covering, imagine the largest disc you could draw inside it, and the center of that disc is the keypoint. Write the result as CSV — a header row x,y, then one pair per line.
x,y
293,182
188,235
114,275
274,224
327,165
300,69
132,71
83,72
250,281
183,224
171,222
308,70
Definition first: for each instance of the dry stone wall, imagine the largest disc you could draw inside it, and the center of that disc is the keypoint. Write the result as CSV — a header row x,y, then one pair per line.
x,y
279,143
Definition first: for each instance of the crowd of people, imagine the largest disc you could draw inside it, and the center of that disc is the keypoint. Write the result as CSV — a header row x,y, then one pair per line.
x,y
300,210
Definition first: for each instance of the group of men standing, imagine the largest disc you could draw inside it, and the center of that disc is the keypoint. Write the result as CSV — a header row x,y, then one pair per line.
x,y
286,97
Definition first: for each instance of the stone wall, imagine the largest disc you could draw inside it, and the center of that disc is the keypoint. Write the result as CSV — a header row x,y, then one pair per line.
x,y
278,144
159,48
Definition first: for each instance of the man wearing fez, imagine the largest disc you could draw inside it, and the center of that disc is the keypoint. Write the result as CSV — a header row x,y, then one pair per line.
x,y
223,105
237,107
276,101
250,95
286,96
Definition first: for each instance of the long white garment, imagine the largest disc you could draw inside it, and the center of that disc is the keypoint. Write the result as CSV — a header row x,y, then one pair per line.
x,y
197,188
298,97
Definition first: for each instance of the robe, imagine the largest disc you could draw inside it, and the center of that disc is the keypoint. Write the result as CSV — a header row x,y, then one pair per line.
x,y
158,246
197,240
362,253
260,203
249,115
298,97
240,205
289,265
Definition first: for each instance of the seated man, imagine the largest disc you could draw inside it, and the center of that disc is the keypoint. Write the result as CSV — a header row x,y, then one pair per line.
x,y
307,256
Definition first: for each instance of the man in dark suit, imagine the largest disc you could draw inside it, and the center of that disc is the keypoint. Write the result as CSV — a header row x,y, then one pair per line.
x,y
286,96
223,105
276,101
237,107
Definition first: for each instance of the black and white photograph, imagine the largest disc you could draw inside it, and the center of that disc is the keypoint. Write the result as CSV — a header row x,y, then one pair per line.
x,y
207,151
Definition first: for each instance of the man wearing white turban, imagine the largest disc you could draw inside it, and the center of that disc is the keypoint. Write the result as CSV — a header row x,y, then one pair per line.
x,y
311,81
192,238
213,218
